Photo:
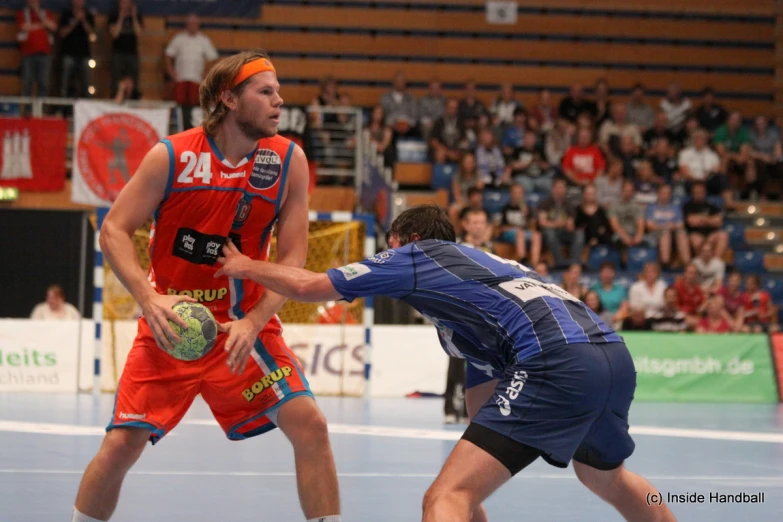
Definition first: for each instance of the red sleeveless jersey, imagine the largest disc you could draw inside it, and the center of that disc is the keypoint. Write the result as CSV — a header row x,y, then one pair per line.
x,y
208,200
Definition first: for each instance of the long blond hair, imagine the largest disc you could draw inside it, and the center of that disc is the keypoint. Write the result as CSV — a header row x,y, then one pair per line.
x,y
219,79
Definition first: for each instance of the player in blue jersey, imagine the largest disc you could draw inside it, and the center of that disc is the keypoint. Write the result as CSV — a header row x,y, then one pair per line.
x,y
547,378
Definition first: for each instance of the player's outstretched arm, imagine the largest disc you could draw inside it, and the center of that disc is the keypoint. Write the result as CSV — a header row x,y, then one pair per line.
x,y
135,204
291,282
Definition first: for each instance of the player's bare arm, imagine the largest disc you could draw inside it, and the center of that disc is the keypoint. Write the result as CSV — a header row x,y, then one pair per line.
x,y
133,207
292,230
291,282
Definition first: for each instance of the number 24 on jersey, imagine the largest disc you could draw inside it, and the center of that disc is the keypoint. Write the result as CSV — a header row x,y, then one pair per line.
x,y
196,167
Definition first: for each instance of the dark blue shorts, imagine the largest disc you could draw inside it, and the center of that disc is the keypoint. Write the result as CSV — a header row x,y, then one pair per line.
x,y
569,402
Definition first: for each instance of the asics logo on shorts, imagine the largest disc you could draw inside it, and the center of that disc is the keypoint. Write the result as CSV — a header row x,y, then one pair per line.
x,y
513,390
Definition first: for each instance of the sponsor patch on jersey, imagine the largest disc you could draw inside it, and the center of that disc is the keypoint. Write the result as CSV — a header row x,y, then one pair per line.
x,y
195,247
266,170
382,257
354,270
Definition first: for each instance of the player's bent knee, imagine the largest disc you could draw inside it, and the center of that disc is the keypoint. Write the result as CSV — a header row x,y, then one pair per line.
x,y
303,423
122,447
602,482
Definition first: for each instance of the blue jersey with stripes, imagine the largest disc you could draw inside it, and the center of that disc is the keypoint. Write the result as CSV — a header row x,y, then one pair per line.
x,y
488,310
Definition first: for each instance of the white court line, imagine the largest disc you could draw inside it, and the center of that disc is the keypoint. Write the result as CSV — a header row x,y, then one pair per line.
x,y
409,433
768,480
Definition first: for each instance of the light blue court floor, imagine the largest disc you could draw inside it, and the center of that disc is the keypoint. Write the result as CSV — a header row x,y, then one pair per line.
x,y
388,451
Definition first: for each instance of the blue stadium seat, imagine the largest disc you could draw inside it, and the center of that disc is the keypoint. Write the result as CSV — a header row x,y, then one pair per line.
x,y
626,279
716,200
736,233
669,277
601,254
749,261
533,199
679,200
495,200
411,151
589,280
775,288
442,175
638,256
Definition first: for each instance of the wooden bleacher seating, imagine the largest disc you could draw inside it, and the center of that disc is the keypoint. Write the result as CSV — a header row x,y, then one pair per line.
x,y
413,174
333,199
438,197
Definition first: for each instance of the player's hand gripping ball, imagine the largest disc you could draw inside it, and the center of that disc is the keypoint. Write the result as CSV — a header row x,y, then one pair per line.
x,y
199,337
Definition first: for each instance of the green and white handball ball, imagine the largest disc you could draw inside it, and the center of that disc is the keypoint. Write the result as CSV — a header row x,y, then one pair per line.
x,y
199,337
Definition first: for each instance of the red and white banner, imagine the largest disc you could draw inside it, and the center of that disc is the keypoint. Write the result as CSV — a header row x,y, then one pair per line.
x,y
110,141
33,153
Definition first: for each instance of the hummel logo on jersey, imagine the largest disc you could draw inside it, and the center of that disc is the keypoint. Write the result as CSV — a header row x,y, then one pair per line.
x,y
232,175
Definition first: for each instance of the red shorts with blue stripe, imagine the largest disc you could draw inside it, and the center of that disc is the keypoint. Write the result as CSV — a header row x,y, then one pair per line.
x,y
156,390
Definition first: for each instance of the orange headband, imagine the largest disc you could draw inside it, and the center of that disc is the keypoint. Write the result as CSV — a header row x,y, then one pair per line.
x,y
249,69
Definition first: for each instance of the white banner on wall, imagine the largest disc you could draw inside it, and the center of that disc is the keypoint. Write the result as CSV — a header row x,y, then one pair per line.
x,y
407,359
38,355
501,12
109,142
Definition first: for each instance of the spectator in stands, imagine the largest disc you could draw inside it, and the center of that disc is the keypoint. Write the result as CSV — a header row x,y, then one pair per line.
x,y
670,318
627,219
529,167
575,104
514,134
664,163
55,307
717,319
470,107
188,56
639,112
710,114
631,156
699,163
614,297
544,113
381,134
690,296
592,219
542,269
704,222
676,107
327,97
77,30
556,221
660,129
593,301
647,184
767,152
610,185
127,91
572,281
504,108
759,314
685,136
734,299
475,201
710,269
491,166
515,225
647,293
637,321
448,135
602,103
401,108
583,162
431,107
467,188
477,231
732,142
36,26
665,223
125,27
615,127
558,140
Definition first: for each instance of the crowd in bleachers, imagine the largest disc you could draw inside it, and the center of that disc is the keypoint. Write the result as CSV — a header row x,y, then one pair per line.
x,y
594,183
